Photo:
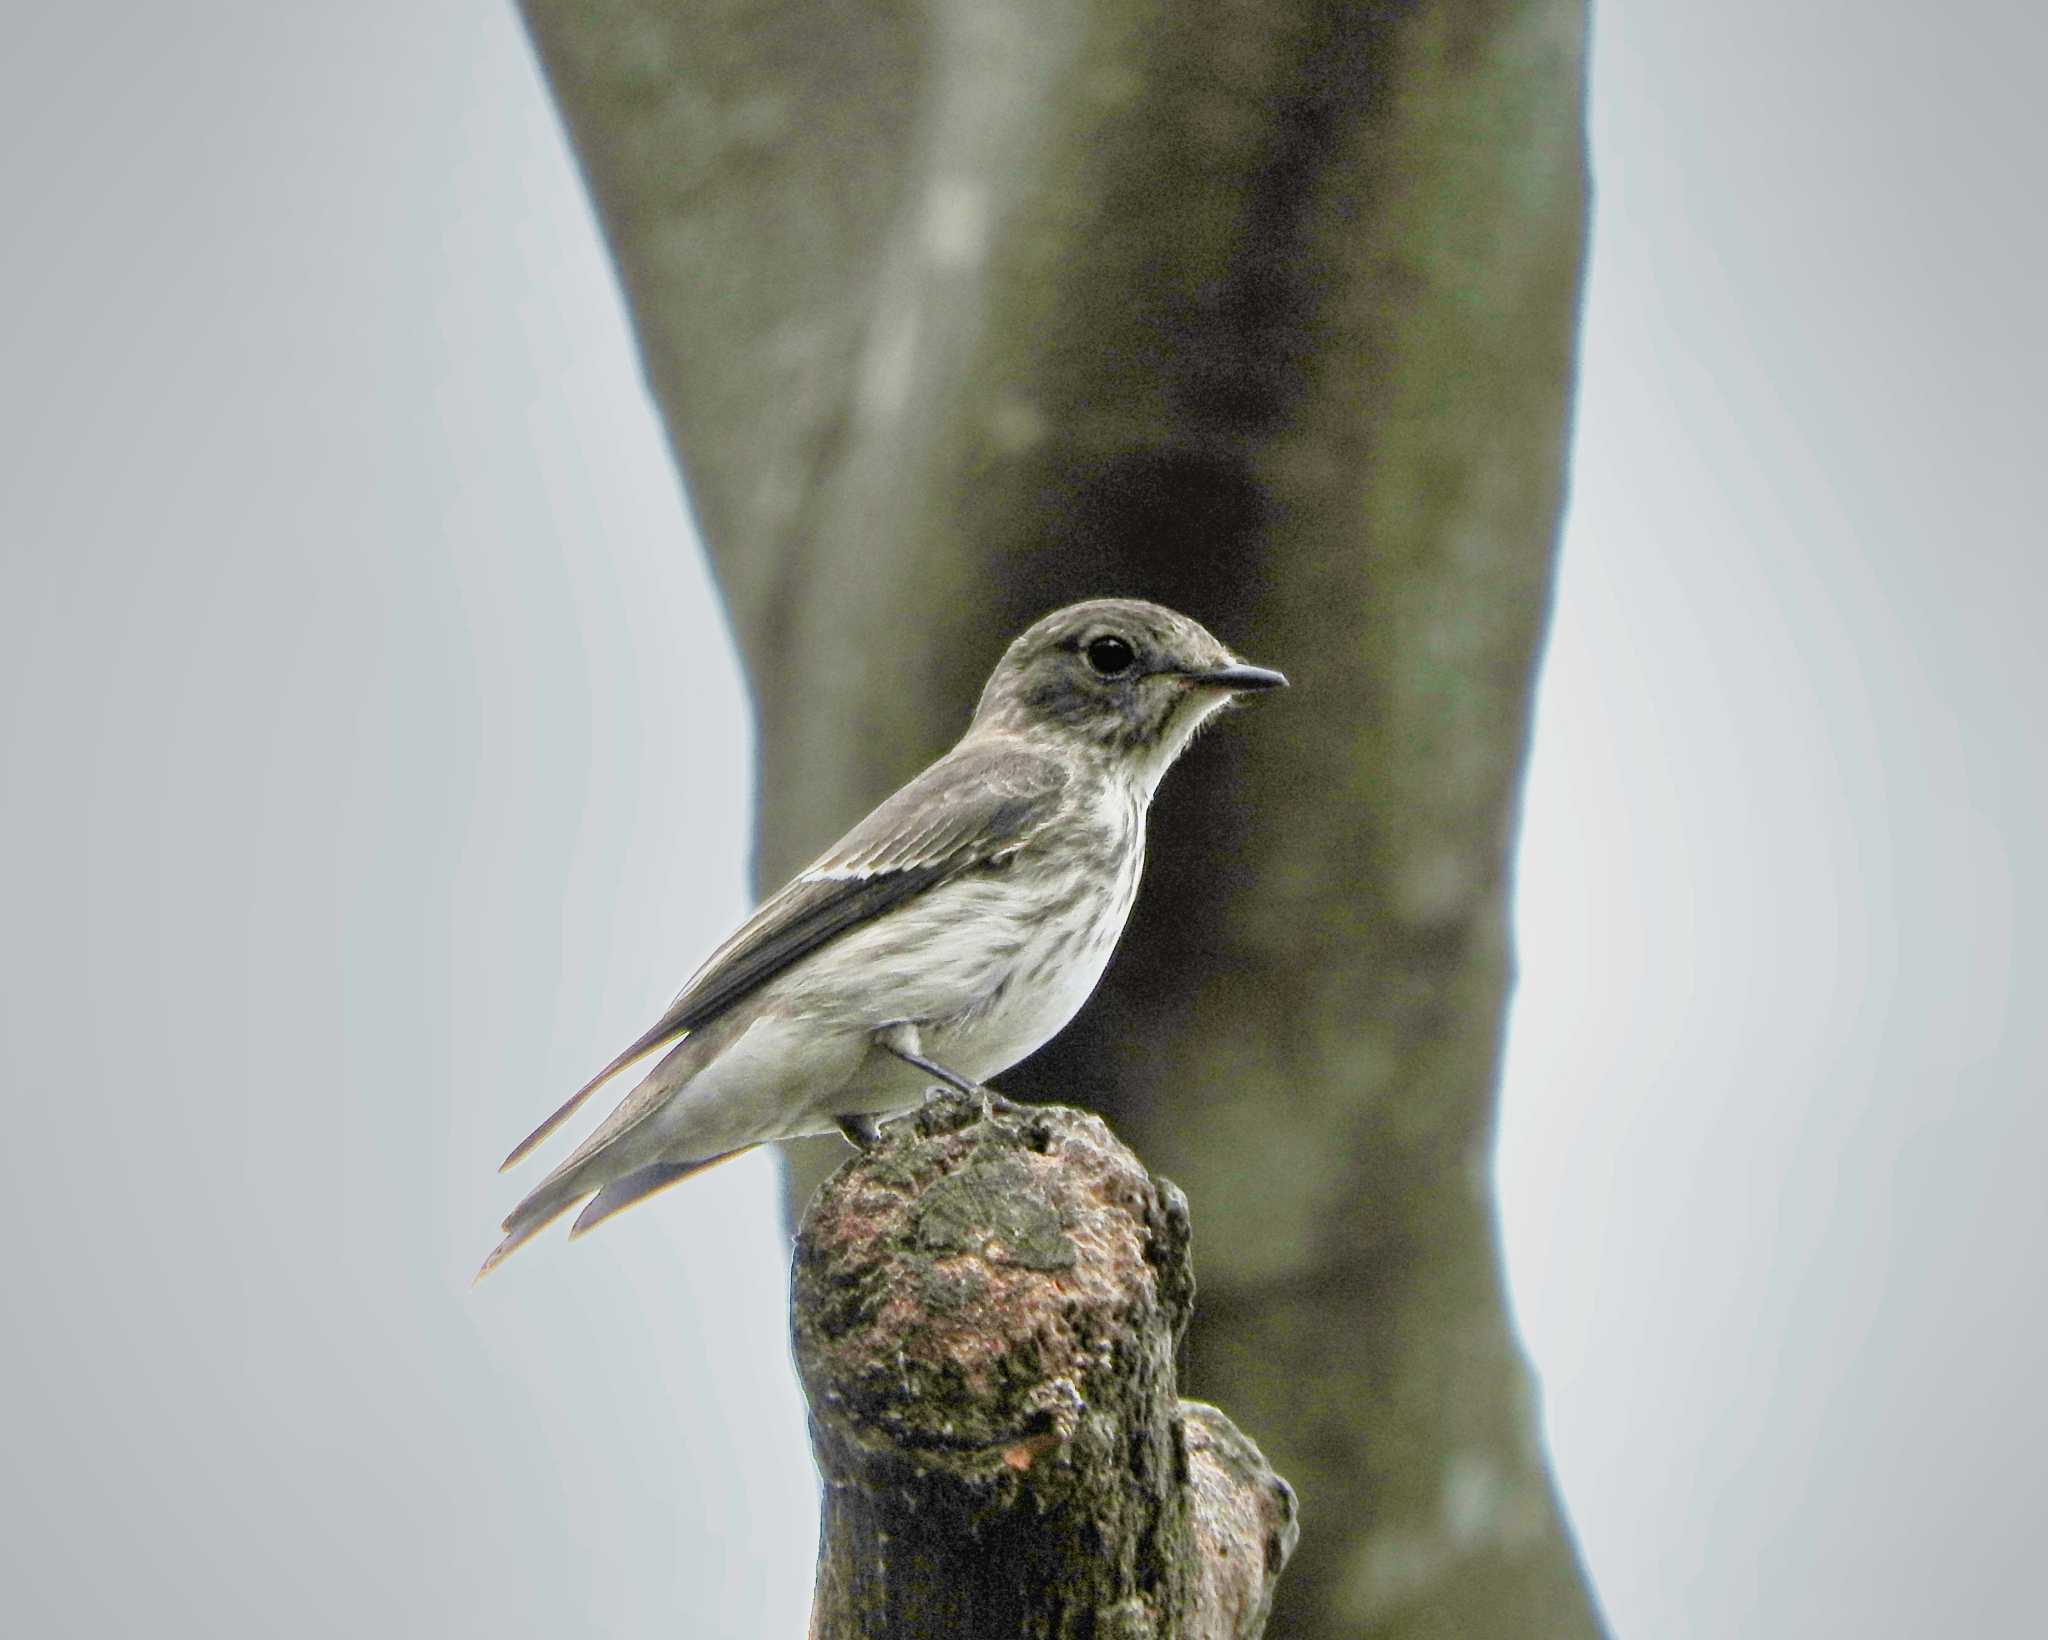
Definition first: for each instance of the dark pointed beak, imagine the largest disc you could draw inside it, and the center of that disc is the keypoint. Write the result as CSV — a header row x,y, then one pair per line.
x,y
1240,679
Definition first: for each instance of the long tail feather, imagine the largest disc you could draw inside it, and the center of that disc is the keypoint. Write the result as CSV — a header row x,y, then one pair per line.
x,y
519,1231
581,1176
555,1198
637,1186
638,1051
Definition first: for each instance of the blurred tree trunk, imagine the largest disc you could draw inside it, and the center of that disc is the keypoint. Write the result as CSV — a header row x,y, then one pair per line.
x,y
958,312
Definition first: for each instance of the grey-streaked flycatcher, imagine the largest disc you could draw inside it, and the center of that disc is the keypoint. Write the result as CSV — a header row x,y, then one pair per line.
x,y
948,935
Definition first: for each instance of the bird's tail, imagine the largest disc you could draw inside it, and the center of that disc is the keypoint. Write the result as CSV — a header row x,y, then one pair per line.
x,y
533,1215
623,1148
654,1038
638,1185
554,1198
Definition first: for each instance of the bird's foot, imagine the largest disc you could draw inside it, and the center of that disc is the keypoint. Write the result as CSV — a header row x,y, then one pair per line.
x,y
993,1104
990,1104
863,1132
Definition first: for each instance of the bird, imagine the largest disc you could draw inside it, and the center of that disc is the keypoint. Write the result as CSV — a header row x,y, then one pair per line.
x,y
946,937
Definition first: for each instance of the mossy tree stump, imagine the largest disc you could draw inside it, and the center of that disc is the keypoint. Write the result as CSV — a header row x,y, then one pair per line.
x,y
987,1312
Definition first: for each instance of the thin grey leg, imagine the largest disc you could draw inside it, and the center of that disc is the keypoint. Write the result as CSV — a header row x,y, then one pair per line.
x,y
902,1041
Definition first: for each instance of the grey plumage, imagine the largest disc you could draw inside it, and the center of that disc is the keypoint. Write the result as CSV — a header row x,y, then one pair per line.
x,y
965,920
970,808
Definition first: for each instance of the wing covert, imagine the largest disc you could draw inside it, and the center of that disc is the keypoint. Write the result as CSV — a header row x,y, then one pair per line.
x,y
976,805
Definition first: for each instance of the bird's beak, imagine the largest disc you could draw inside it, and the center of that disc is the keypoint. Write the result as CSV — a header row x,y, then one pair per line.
x,y
1239,679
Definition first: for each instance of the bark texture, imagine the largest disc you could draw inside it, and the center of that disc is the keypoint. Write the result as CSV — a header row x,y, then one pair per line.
x,y
986,1314
959,311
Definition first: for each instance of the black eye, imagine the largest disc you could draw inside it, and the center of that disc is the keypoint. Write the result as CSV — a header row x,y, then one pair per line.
x,y
1111,657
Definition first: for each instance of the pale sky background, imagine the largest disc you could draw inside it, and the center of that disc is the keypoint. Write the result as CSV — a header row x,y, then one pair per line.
x,y
374,764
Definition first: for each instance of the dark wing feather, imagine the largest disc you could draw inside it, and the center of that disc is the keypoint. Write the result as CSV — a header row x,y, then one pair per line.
x,y
978,804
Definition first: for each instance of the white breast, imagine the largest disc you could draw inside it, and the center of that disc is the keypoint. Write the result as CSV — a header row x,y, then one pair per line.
x,y
1059,954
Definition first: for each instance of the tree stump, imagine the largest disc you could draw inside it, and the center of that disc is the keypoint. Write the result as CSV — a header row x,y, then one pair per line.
x,y
987,1312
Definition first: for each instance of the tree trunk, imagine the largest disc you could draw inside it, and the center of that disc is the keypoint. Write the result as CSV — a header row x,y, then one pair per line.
x,y
962,311
986,1314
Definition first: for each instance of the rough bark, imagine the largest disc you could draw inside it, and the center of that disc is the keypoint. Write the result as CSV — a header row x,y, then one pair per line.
x,y
957,312
986,1314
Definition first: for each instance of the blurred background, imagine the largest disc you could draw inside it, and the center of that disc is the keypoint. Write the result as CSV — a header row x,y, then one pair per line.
x,y
375,762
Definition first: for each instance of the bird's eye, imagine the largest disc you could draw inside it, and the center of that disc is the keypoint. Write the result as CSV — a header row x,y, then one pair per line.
x,y
1111,657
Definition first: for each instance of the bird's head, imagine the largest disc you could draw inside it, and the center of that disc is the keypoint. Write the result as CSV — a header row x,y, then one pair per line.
x,y
1133,679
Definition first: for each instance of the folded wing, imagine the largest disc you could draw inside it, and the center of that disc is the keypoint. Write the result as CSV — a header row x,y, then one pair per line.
x,y
974,808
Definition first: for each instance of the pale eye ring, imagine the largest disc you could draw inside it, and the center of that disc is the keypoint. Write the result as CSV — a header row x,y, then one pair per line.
x,y
1111,656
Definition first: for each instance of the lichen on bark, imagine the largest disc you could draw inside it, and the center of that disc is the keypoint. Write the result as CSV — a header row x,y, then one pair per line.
x,y
986,1315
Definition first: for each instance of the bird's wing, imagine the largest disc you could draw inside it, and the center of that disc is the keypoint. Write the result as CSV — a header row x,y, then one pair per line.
x,y
977,806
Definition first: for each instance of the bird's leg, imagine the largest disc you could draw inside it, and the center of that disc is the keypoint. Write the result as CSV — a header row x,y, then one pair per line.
x,y
862,1132
902,1040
